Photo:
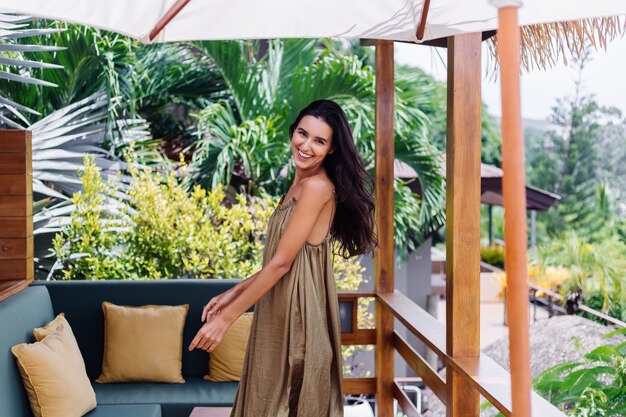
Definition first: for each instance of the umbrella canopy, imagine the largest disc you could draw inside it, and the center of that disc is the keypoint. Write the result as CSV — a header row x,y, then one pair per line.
x,y
266,19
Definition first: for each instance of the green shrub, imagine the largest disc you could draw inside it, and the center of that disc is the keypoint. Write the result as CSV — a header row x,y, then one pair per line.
x,y
88,247
616,309
200,233
160,231
493,255
592,388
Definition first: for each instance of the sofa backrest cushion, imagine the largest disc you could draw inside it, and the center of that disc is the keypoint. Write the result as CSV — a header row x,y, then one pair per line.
x,y
19,315
81,301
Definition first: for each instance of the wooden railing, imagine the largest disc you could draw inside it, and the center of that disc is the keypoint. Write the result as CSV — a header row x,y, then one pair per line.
x,y
553,307
481,372
356,336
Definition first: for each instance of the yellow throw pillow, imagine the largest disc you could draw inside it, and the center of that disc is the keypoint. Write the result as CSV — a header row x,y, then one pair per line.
x,y
143,343
54,373
226,360
58,324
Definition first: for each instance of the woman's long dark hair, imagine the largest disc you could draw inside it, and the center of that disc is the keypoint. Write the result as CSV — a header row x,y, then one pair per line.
x,y
353,224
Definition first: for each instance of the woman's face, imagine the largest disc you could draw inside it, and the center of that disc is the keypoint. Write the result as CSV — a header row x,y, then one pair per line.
x,y
311,142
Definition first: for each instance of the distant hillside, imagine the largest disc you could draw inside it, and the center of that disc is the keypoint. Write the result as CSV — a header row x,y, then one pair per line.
x,y
537,124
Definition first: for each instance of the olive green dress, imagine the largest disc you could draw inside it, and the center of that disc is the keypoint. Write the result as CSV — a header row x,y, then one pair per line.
x,y
292,366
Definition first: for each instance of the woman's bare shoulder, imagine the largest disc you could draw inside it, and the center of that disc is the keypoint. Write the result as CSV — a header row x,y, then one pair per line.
x,y
320,186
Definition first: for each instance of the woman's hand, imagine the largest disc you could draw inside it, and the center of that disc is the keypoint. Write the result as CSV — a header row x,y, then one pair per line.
x,y
217,303
210,334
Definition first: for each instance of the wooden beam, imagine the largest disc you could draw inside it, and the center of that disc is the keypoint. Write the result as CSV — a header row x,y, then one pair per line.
x,y
350,295
423,19
463,216
424,326
430,376
404,402
167,18
514,202
360,337
384,253
359,385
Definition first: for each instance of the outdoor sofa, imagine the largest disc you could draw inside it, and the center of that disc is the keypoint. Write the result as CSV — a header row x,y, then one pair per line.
x,y
81,302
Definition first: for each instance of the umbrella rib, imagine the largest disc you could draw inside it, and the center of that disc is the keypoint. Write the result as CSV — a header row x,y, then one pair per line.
x,y
167,17
422,26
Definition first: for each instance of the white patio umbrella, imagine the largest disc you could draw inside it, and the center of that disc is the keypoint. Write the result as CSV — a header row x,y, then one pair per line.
x,y
266,19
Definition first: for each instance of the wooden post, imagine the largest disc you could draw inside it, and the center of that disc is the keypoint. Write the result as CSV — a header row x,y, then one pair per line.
x,y
384,254
514,202
463,216
16,211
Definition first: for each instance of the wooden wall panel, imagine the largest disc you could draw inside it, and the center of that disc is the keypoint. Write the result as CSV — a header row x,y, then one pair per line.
x,y
16,211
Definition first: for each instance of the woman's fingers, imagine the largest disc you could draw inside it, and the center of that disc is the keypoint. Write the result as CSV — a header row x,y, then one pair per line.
x,y
207,309
195,342
215,308
208,337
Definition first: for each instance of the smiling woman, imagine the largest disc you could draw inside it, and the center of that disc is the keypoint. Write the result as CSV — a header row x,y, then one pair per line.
x,y
295,339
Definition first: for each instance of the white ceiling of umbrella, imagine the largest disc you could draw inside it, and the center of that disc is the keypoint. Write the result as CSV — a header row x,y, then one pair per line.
x,y
267,19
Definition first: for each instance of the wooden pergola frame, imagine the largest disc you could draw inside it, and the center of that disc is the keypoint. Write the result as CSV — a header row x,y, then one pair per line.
x,y
468,372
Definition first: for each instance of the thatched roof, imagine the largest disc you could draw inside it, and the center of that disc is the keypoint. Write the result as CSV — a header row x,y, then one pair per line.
x,y
544,45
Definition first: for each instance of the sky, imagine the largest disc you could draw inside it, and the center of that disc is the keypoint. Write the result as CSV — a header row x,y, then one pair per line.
x,y
604,77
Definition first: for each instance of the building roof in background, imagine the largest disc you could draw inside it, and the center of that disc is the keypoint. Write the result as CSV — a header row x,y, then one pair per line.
x,y
491,187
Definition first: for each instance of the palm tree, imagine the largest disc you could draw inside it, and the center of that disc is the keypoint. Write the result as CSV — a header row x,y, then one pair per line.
x,y
243,139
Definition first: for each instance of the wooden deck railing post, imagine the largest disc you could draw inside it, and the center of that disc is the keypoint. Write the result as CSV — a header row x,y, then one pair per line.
x,y
514,202
16,211
463,216
384,255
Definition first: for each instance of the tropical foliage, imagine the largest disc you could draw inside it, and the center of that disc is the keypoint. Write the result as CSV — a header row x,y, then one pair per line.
x,y
595,387
594,268
243,140
227,105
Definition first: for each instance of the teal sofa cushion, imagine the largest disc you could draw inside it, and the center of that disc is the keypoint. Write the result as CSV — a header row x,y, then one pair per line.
x,y
19,315
177,400
81,301
134,410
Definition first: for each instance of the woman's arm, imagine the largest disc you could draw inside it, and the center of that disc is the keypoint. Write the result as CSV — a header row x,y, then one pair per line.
x,y
315,194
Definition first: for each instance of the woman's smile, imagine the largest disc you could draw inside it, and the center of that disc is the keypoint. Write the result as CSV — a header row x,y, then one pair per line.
x,y
303,156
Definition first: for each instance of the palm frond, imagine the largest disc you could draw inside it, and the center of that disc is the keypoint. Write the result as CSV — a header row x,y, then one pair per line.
x,y
15,68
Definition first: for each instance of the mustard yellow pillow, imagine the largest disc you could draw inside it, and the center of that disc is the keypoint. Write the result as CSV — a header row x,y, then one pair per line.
x,y
226,360
54,373
143,343
58,324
